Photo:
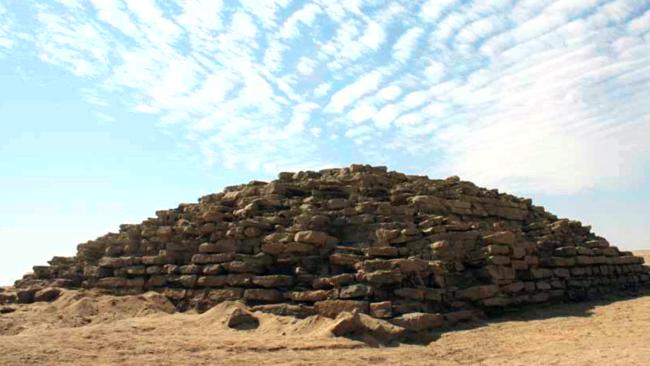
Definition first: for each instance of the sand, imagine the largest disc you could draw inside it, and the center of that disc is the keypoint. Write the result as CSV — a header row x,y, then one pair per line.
x,y
85,328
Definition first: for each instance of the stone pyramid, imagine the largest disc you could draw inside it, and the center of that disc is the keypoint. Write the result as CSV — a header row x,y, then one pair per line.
x,y
421,252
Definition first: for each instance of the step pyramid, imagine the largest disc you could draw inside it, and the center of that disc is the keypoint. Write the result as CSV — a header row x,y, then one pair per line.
x,y
421,252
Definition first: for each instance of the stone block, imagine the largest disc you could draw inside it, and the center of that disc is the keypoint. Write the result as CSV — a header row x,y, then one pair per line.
x,y
355,291
502,237
332,308
309,296
266,295
333,281
111,282
499,260
273,281
243,267
221,246
383,251
213,258
381,309
541,272
213,269
383,277
569,251
478,292
407,265
225,294
317,238
418,322
497,249
240,279
211,281
47,294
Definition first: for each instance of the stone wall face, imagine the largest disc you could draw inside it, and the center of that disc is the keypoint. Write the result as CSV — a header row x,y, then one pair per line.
x,y
385,243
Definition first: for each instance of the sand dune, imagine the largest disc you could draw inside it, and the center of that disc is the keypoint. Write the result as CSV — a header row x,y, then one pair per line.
x,y
86,328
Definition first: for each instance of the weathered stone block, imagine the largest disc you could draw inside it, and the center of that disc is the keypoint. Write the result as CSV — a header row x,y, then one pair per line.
x,y
331,308
478,292
213,269
541,272
381,309
267,295
497,249
309,296
211,281
355,291
418,322
318,238
213,258
383,251
221,246
407,265
334,281
273,281
502,237
383,277
111,282
47,294
499,260
226,294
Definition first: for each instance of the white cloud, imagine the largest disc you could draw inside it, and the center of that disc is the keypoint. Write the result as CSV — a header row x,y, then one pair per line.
x,y
433,9
113,13
405,45
389,93
353,91
435,71
640,24
362,113
386,116
264,11
300,117
374,36
305,65
479,29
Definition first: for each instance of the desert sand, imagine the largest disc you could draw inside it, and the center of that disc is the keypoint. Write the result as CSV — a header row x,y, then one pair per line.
x,y
86,328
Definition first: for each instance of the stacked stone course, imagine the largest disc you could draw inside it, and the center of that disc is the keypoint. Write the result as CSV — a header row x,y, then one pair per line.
x,y
417,251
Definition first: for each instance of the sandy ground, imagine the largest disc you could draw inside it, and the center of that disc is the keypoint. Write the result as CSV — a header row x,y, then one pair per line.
x,y
101,330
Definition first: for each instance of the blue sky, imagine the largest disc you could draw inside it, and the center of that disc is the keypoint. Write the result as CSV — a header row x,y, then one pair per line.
x,y
110,110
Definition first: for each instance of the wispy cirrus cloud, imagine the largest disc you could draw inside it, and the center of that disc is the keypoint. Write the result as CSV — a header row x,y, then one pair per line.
x,y
546,96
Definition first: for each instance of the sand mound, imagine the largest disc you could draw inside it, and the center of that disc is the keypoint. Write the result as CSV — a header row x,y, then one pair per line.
x,y
81,308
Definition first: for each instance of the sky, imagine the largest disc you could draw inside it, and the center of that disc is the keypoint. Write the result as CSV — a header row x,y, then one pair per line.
x,y
111,110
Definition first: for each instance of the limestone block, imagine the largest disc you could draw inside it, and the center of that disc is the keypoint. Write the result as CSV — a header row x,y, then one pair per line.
x,y
381,309
355,291
331,308
211,281
266,295
309,296
382,277
478,292
212,258
502,237
419,321
47,294
317,238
